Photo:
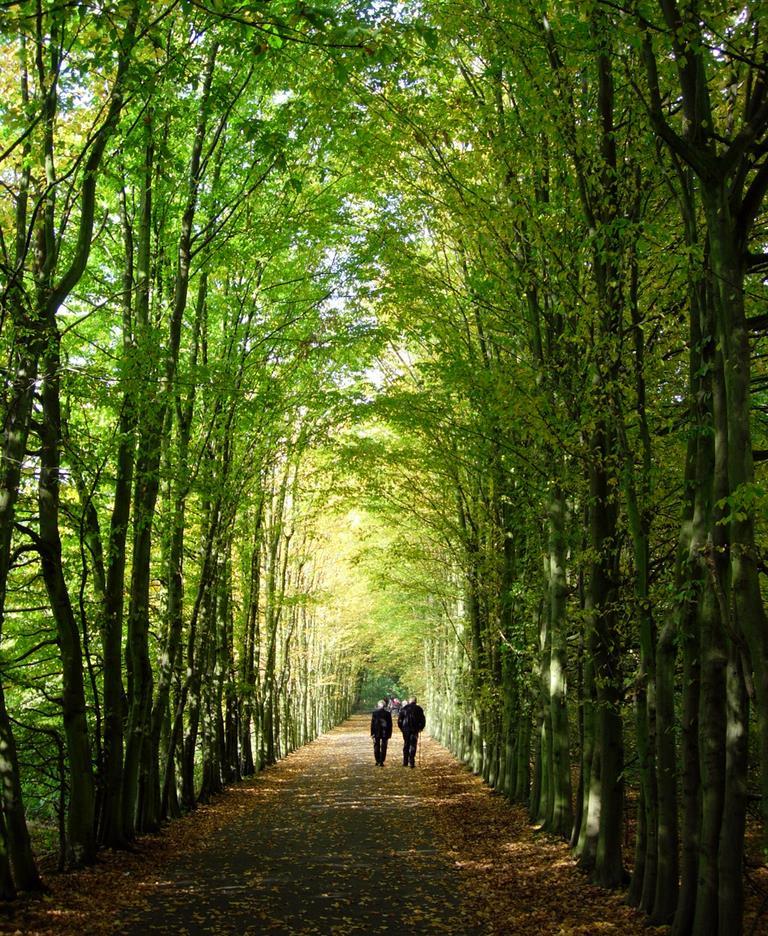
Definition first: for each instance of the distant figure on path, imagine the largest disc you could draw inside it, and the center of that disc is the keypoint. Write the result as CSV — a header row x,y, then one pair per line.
x,y
381,732
411,722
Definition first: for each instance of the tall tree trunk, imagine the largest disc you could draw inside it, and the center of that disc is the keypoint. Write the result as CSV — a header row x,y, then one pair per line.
x,y
714,659
7,886
731,845
637,492
81,816
689,583
561,820
29,340
111,820
248,659
14,835
189,697
728,250
15,838
608,869
170,656
137,814
541,810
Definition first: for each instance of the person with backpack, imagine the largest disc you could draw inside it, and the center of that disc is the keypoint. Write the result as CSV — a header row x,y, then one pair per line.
x,y
411,722
381,732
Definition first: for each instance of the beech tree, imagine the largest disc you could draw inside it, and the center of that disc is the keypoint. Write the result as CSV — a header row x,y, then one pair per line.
x,y
420,342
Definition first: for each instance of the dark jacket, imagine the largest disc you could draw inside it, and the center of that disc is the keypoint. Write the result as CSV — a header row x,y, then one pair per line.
x,y
381,724
411,719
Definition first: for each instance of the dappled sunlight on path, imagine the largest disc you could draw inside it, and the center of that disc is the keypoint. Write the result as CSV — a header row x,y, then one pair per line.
x,y
515,880
326,843
331,844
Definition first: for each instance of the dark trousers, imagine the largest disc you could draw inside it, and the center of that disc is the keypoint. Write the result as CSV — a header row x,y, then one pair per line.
x,y
380,749
410,742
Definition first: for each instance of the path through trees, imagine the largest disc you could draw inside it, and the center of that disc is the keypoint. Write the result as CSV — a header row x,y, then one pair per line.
x,y
328,844
324,842
406,345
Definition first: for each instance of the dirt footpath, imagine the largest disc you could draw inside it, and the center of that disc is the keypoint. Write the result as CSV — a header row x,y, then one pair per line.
x,y
332,844
327,843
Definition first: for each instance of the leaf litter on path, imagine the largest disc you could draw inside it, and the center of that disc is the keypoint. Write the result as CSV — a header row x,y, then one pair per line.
x,y
324,842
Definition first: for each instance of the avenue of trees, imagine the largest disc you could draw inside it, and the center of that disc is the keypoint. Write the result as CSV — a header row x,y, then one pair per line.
x,y
575,264
170,360
491,272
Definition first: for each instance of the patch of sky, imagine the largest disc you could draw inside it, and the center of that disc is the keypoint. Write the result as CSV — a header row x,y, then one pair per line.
x,y
79,362
379,12
282,97
375,376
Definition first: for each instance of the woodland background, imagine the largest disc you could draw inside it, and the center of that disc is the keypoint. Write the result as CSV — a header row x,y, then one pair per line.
x,y
407,345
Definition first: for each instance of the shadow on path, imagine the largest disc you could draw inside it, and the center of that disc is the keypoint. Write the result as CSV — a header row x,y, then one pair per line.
x,y
332,844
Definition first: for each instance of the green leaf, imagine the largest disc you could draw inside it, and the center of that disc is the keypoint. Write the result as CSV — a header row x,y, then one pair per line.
x,y
341,72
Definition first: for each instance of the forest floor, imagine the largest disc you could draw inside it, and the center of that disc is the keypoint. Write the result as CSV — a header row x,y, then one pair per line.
x,y
324,842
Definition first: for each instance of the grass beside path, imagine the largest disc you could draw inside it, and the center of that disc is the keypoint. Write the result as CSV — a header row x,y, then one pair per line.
x,y
324,842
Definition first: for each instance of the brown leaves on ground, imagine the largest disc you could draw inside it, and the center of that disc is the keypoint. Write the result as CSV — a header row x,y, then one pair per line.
x,y
302,847
85,902
523,881
518,880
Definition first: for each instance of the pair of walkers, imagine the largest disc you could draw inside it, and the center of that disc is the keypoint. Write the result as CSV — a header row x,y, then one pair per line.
x,y
410,721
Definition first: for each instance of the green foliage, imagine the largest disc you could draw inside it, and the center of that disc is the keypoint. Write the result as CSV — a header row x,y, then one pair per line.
x,y
428,294
747,500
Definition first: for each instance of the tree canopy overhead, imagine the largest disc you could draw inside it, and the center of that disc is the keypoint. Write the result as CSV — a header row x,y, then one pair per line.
x,y
407,343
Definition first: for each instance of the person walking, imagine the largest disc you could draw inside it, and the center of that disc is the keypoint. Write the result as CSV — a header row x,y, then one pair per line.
x,y
381,732
411,721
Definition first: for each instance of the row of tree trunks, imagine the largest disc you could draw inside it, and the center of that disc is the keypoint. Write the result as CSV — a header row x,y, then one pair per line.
x,y
124,771
726,642
138,814
38,350
684,638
